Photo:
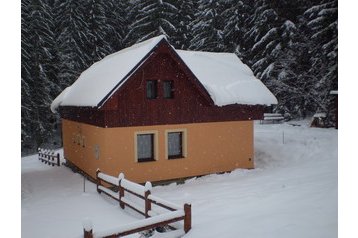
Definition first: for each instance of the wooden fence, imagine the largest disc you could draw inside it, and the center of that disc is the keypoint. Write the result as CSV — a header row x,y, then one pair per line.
x,y
48,156
148,207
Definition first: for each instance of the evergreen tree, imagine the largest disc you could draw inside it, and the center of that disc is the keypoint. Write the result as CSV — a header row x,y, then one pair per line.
x,y
321,25
208,27
150,18
236,15
183,21
73,39
39,70
262,38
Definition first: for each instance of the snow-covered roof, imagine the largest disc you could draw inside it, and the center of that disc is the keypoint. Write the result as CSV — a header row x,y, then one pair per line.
x,y
227,79
224,76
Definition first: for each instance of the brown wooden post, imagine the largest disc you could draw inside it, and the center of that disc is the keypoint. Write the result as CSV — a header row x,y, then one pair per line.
x,y
53,158
87,234
121,194
187,217
98,180
58,159
148,205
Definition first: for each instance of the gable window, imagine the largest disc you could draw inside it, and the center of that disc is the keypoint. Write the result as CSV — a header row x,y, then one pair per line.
x,y
176,144
151,89
145,147
168,89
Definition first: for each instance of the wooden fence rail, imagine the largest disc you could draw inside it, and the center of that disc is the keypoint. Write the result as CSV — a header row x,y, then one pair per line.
x,y
48,156
154,218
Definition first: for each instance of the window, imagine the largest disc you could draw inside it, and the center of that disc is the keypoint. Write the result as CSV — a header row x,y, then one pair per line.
x,y
151,89
145,148
176,144
168,89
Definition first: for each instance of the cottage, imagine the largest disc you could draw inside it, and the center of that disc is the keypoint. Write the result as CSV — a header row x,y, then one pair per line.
x,y
156,113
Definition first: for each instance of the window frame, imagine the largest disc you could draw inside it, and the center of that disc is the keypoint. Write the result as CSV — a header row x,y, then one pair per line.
x,y
154,146
184,151
154,89
171,92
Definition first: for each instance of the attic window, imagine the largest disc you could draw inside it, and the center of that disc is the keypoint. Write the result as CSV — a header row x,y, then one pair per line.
x,y
151,89
168,89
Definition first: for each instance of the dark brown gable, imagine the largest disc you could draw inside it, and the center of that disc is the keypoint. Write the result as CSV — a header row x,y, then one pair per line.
x,y
128,105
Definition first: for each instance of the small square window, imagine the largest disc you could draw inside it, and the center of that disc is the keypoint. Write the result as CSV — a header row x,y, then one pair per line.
x,y
175,145
151,89
168,89
145,147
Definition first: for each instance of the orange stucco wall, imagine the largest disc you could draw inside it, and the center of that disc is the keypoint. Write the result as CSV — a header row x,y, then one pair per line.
x,y
211,148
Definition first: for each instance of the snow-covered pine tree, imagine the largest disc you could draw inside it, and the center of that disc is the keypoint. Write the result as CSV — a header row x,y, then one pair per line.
x,y
98,28
321,25
39,70
183,23
208,27
149,18
236,15
116,20
73,39
287,76
261,38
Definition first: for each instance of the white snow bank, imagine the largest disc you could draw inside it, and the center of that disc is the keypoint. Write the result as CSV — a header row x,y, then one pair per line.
x,y
225,77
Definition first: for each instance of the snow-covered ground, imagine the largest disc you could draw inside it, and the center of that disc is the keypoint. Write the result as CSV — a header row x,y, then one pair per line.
x,y
293,192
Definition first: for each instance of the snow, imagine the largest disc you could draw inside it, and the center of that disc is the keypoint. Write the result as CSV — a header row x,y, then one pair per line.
x,y
108,178
164,202
141,223
134,187
227,79
292,192
320,114
108,191
87,224
99,79
224,76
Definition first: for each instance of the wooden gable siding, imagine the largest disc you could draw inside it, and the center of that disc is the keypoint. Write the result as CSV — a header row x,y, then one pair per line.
x,y
128,106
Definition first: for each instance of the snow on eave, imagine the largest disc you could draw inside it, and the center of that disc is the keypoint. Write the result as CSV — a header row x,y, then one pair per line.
x,y
59,99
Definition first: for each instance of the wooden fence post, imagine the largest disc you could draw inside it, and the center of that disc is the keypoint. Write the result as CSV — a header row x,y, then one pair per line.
x,y
87,234
39,153
87,228
98,180
187,217
53,158
58,159
120,190
121,194
148,205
